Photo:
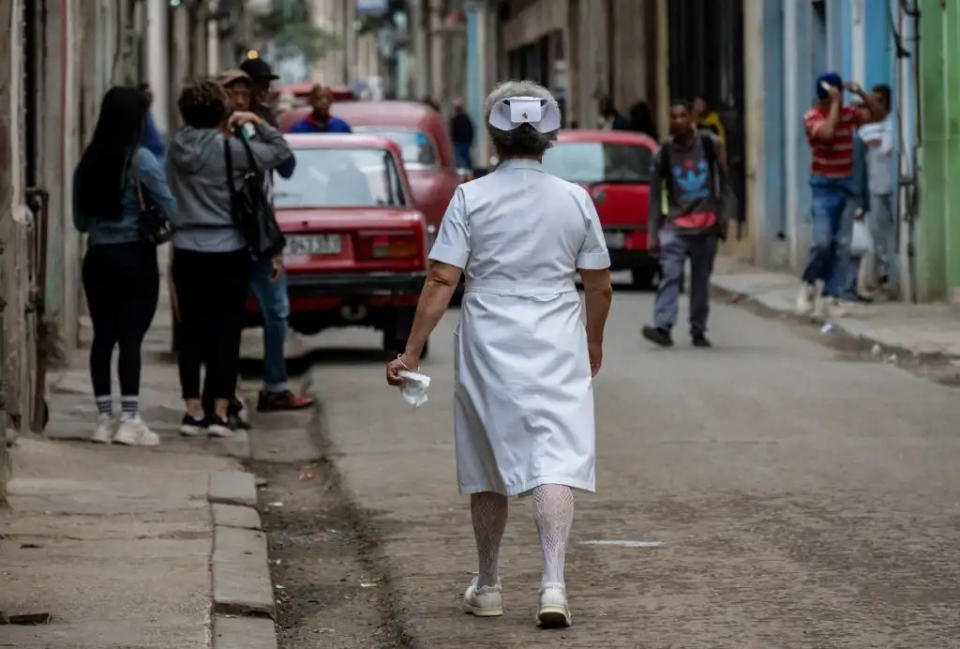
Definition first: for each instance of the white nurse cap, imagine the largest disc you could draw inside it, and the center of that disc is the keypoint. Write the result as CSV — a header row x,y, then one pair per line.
x,y
509,113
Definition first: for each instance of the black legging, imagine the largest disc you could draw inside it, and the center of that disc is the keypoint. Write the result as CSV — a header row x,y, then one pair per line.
x,y
211,290
122,283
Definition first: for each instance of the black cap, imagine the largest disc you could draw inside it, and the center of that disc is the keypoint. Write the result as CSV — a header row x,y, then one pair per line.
x,y
258,69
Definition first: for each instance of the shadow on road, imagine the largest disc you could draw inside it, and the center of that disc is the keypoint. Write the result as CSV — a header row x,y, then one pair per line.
x,y
300,365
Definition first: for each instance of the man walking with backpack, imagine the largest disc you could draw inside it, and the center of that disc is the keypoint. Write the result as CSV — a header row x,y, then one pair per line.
x,y
690,168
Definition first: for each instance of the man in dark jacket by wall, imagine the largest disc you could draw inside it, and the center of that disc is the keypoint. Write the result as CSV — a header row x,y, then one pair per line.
x,y
461,132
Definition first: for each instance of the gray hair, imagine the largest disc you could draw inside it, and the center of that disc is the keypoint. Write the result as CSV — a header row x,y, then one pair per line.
x,y
523,140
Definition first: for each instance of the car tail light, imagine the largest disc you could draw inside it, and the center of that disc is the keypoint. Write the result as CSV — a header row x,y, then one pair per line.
x,y
388,246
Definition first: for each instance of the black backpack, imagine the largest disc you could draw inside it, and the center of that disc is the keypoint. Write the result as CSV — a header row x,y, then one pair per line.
x,y
251,209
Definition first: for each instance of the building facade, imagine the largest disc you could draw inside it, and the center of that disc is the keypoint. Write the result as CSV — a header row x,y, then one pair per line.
x,y
788,45
57,60
910,46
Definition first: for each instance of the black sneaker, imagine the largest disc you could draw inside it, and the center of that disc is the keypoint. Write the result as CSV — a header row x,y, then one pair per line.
x,y
190,427
234,422
236,415
658,335
699,340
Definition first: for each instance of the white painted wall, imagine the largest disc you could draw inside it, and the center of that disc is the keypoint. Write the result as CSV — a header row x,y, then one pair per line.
x,y
904,100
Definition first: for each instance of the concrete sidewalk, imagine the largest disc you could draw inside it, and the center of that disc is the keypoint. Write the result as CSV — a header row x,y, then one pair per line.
x,y
121,545
921,329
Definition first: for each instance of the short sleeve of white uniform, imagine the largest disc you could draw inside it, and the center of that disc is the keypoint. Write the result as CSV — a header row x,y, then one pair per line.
x,y
593,253
453,240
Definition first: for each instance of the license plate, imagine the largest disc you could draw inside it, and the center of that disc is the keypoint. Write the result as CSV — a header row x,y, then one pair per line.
x,y
313,244
614,239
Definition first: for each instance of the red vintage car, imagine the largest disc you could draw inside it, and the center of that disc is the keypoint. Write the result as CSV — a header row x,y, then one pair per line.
x,y
356,250
614,166
423,139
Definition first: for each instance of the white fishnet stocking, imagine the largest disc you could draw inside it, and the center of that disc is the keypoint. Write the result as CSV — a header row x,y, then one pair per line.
x,y
553,512
489,513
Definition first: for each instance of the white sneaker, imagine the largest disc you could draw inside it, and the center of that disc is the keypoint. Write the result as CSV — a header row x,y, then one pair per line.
x,y
104,432
133,432
835,308
483,602
554,611
218,428
805,301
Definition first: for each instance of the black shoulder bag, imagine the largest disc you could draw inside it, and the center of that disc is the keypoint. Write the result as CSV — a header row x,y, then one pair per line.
x,y
155,228
251,209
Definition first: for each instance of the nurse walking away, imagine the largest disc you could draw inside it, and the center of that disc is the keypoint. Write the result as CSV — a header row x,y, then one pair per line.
x,y
523,412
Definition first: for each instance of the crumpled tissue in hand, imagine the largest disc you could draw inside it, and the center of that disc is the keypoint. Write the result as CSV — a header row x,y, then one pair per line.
x,y
414,387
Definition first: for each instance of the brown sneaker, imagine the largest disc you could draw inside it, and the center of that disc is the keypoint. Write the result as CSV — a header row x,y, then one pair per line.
x,y
286,400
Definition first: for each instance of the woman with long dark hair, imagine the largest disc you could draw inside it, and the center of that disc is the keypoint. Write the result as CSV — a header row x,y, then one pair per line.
x,y
112,184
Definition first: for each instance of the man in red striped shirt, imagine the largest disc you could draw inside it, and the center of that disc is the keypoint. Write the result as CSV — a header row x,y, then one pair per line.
x,y
830,127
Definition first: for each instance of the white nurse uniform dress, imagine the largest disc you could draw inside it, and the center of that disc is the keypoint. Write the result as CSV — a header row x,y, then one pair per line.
x,y
523,407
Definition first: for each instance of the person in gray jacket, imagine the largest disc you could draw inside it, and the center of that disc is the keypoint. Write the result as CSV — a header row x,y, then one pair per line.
x,y
211,261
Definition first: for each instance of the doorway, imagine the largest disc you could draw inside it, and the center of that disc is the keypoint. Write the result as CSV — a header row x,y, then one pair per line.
x,y
706,59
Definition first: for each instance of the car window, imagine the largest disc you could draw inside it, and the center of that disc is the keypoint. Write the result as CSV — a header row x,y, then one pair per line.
x,y
330,177
599,162
417,148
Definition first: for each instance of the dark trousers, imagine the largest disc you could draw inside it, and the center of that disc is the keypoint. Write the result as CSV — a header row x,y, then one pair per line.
x,y
211,290
675,248
461,152
122,283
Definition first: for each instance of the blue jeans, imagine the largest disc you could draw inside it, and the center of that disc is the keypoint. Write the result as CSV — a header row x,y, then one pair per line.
x,y
461,152
832,231
275,309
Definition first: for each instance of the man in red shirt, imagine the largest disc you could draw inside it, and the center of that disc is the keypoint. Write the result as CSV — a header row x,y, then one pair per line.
x,y
830,127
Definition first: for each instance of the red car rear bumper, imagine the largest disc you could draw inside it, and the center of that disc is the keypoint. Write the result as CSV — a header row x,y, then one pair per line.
x,y
319,300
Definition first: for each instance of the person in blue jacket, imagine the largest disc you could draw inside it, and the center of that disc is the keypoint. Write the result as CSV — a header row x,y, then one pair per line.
x,y
152,138
320,120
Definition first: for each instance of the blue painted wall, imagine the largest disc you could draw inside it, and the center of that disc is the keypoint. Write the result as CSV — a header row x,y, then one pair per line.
x,y
823,36
880,50
475,90
773,132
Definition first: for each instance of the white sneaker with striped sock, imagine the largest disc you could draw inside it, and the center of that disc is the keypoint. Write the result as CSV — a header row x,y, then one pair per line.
x,y
133,432
104,431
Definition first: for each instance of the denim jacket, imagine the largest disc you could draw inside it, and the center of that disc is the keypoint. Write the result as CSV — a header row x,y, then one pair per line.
x,y
126,229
